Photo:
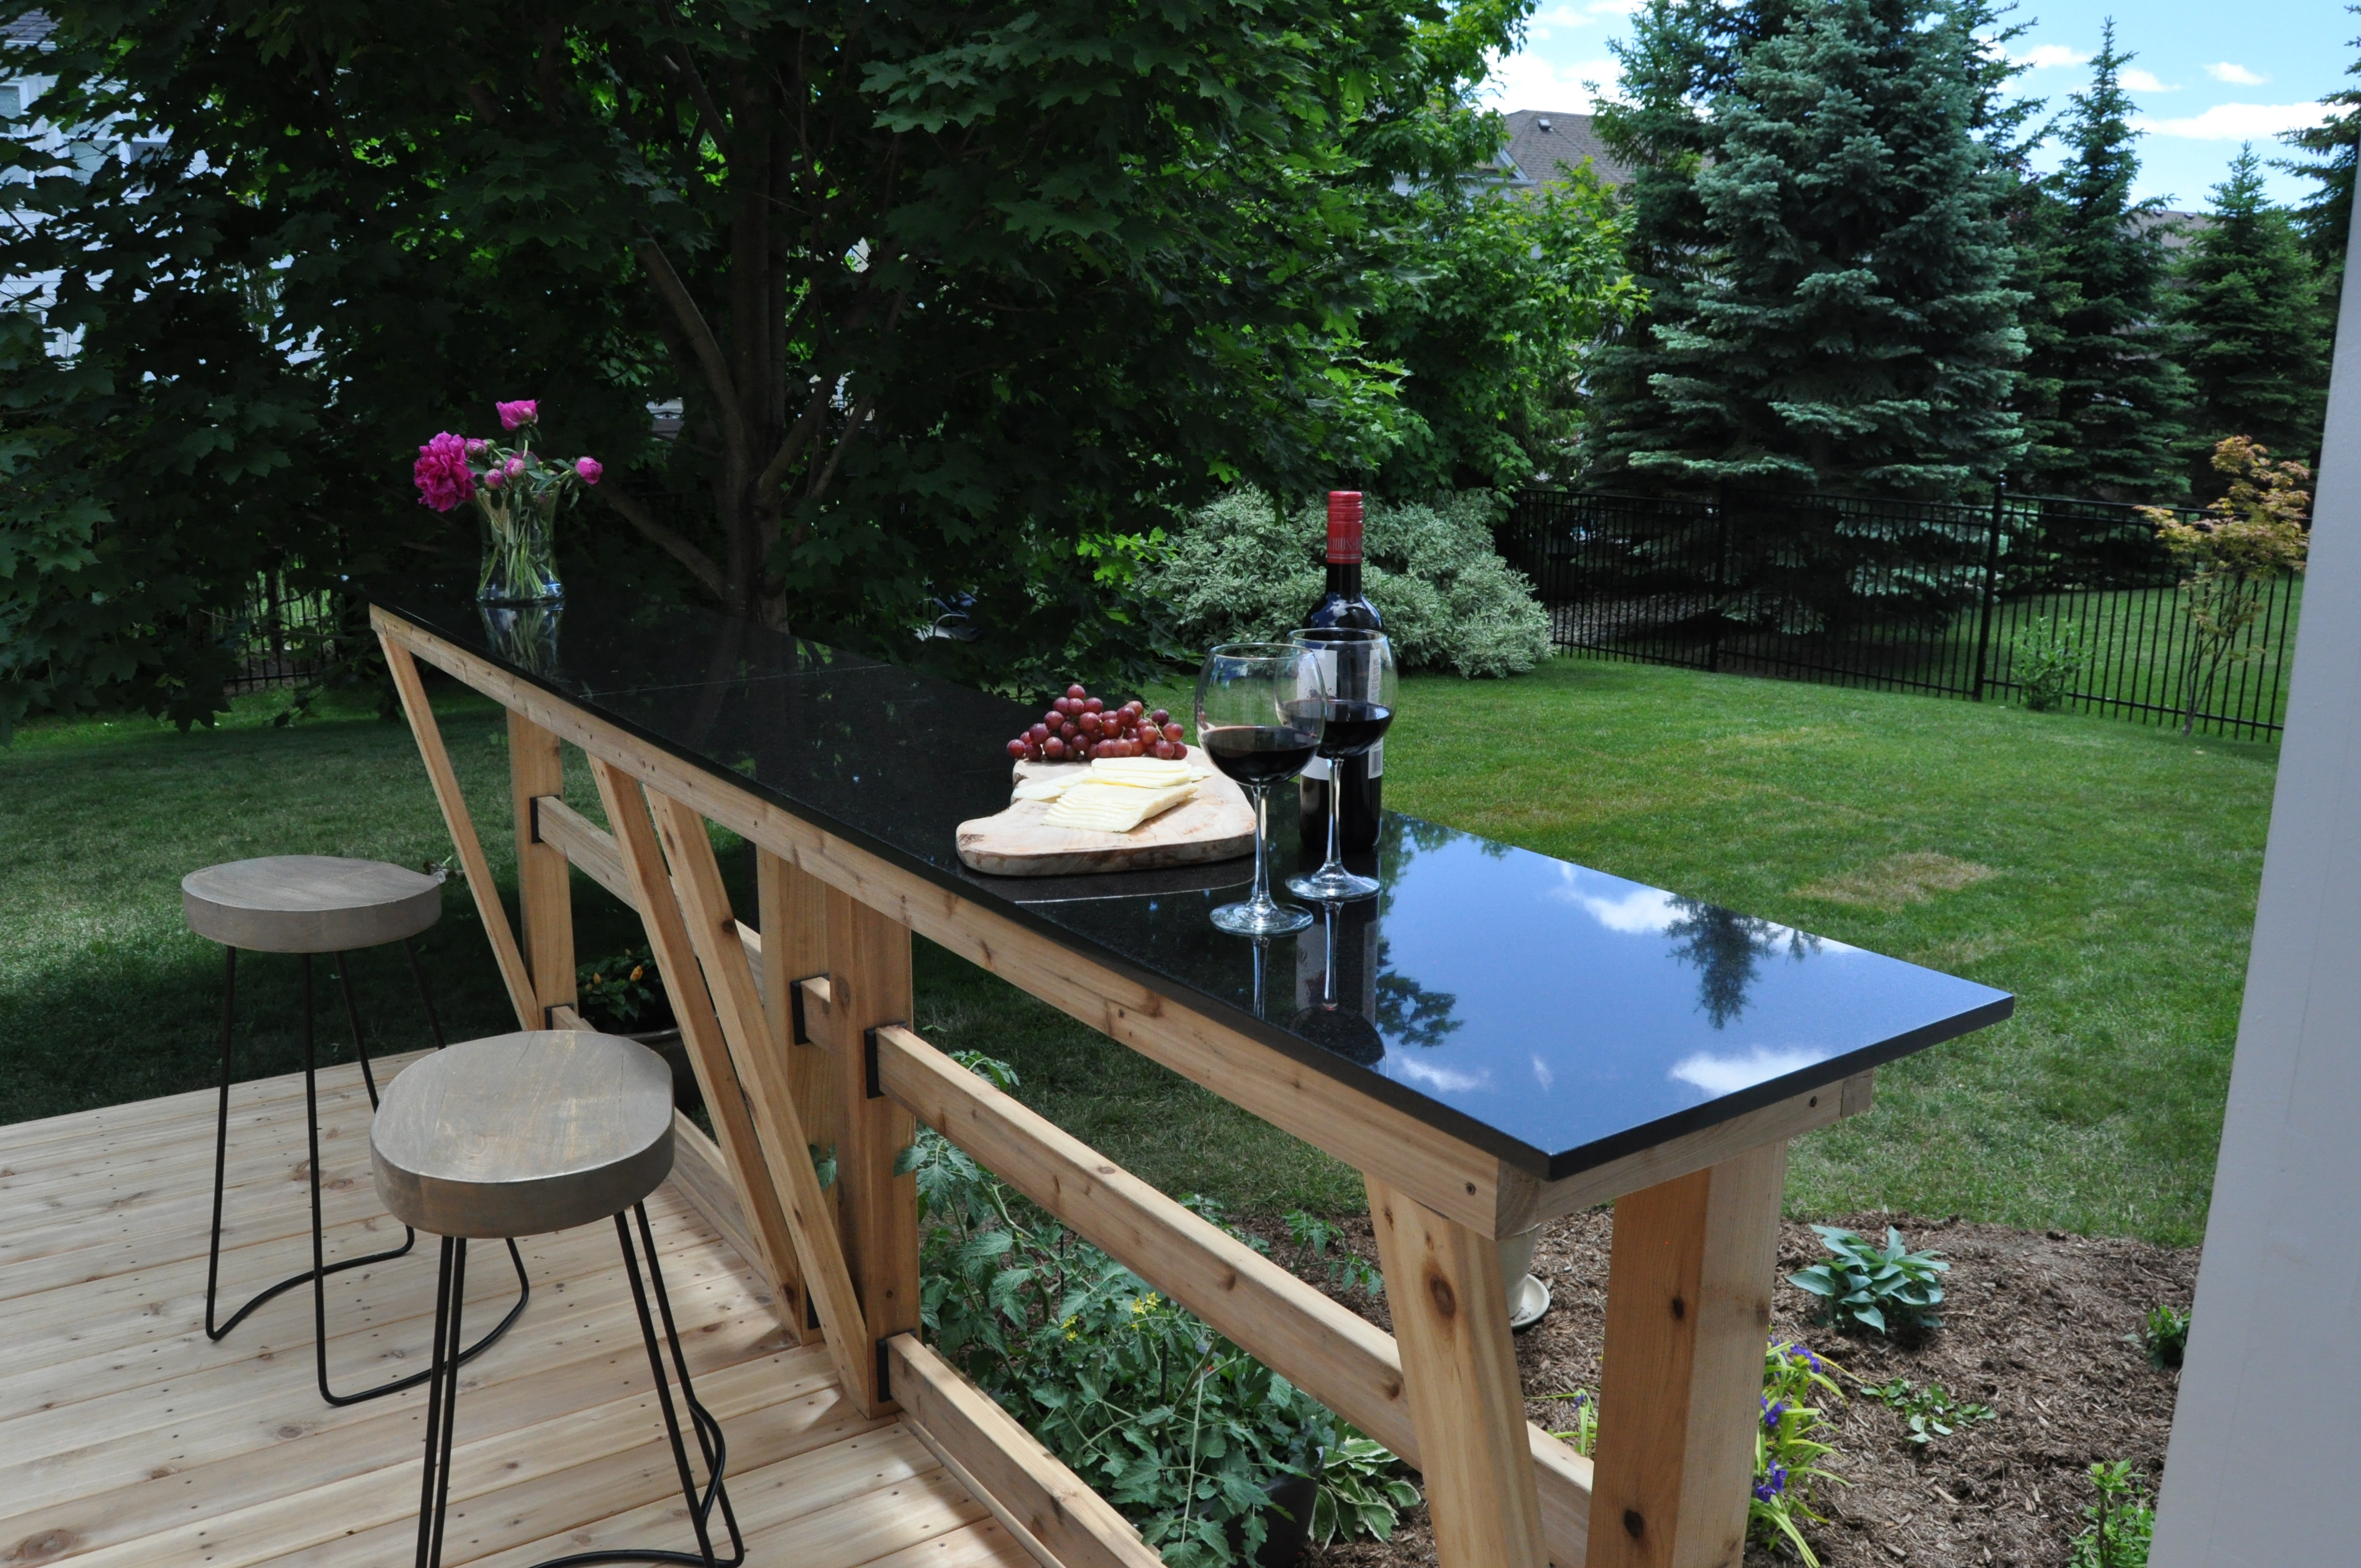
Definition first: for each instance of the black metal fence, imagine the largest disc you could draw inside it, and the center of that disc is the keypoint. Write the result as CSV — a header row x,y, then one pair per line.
x,y
280,635
1944,597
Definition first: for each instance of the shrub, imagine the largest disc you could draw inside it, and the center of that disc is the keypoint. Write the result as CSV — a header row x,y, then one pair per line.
x,y
1174,1424
1884,1288
2049,655
623,993
1244,569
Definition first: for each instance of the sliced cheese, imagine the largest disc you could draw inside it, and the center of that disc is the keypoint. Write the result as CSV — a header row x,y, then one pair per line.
x,y
1107,807
1047,787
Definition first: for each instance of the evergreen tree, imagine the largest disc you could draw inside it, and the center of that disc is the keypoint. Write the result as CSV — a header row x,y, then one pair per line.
x,y
2247,302
2326,220
1854,330
2100,395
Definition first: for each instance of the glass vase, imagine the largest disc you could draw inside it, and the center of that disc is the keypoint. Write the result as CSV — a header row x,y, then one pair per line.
x,y
520,554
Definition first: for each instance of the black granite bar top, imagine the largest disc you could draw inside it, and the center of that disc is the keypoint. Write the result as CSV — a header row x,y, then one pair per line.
x,y
1556,1015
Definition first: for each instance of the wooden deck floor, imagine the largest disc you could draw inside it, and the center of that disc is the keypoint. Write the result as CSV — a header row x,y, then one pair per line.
x,y
127,1437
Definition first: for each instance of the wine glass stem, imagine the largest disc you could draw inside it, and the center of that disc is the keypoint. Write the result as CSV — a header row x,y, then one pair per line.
x,y
1335,861
1262,846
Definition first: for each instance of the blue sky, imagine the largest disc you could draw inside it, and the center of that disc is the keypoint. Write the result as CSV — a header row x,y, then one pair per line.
x,y
2207,76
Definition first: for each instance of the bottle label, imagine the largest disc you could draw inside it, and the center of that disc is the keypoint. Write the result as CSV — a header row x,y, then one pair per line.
x,y
1318,768
1377,755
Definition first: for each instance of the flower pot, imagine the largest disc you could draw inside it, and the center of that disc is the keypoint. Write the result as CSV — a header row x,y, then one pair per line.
x,y
1529,1297
1288,1533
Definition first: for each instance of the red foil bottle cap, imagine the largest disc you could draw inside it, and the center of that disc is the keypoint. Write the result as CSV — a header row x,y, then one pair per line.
x,y
1344,527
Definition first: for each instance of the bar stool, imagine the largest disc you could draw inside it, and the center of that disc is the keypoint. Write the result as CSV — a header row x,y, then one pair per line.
x,y
522,1135
307,904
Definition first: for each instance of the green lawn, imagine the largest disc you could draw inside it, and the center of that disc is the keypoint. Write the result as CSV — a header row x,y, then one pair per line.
x,y
2104,872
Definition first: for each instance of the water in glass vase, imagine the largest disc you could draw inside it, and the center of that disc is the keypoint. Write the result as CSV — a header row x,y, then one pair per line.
x,y
520,552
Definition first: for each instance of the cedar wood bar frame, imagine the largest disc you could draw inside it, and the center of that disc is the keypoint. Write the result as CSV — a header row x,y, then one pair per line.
x,y
800,1037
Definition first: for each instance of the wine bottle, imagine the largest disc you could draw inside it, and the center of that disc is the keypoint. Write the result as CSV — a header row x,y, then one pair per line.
x,y
1357,782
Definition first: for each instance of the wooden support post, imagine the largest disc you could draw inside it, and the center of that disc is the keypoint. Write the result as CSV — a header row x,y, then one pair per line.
x,y
869,985
700,1027
1459,1371
462,829
793,909
761,1071
544,884
1688,1315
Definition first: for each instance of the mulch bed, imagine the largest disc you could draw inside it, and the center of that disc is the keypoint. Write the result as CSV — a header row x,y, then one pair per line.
x,y
2034,1326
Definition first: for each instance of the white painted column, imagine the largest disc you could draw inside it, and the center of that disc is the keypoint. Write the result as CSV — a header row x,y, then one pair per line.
x,y
2264,1467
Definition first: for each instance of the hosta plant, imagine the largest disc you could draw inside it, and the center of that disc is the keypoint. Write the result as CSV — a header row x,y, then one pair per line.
x,y
1888,1288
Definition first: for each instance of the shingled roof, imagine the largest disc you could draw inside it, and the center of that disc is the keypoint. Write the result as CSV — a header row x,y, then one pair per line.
x,y
1540,141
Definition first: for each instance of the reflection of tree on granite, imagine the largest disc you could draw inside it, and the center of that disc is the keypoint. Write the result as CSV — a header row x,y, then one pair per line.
x,y
1409,1013
1726,947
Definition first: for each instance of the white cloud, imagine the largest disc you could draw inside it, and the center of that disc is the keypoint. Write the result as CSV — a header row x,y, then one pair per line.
x,y
1442,1079
2140,80
1728,1074
2236,122
1526,80
1546,24
2227,70
2046,57
1639,912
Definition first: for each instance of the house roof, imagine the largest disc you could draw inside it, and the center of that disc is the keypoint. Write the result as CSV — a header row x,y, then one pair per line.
x,y
1540,140
26,27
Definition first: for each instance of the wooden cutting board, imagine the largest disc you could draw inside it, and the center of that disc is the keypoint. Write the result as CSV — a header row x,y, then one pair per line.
x,y
1217,825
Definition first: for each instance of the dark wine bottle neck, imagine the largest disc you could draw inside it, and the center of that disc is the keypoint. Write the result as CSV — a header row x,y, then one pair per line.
x,y
1345,578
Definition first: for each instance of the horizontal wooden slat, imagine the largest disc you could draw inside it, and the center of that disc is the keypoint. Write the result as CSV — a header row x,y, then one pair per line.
x,y
1339,1357
1078,1528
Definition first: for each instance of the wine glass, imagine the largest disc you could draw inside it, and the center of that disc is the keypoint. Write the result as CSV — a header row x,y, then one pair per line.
x,y
1356,669
1260,708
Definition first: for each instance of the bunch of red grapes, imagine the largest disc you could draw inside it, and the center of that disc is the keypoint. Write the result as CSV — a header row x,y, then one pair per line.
x,y
1079,726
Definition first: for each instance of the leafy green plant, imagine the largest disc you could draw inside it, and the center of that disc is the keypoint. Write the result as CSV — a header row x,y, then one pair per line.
x,y
1930,1412
1361,1489
623,993
1174,1424
1886,1289
1787,1454
2164,1334
1347,1269
2050,654
2123,1521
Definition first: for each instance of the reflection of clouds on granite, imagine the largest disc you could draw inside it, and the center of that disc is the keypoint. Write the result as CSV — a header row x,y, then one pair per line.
x,y
1637,911
1442,1079
1719,1073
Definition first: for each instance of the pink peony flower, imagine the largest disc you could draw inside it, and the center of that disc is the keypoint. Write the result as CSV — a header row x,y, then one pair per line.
x,y
516,468
495,480
514,414
590,468
440,473
477,445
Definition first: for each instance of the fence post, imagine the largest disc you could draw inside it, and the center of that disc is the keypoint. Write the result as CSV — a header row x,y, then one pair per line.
x,y
1990,593
1721,570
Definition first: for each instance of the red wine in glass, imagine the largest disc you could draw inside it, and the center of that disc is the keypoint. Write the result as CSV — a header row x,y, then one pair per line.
x,y
1260,710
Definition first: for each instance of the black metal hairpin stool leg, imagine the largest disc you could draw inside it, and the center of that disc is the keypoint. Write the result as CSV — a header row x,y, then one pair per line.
x,y
321,1268
442,1401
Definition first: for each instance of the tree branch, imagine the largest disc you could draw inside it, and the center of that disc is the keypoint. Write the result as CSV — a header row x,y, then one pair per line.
x,y
851,430
700,337
792,447
700,565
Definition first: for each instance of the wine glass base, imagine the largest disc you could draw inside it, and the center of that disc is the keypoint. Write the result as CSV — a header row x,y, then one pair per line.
x,y
1332,885
1267,918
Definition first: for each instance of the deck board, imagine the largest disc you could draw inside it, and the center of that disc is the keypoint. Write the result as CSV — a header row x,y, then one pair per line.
x,y
127,1437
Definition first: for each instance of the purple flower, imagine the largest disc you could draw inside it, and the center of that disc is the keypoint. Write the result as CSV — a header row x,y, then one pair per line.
x,y
590,468
1771,1410
1797,1353
495,480
1767,1490
516,468
477,445
440,473
525,411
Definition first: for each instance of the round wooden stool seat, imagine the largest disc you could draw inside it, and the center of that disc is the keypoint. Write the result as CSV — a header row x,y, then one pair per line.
x,y
520,1134
309,903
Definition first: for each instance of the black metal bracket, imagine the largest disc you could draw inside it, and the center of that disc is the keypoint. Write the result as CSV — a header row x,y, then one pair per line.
x,y
869,1061
534,836
884,1372
796,1031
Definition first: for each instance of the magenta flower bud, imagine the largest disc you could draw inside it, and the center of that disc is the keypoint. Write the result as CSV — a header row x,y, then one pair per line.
x,y
590,468
477,445
526,411
495,480
516,468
